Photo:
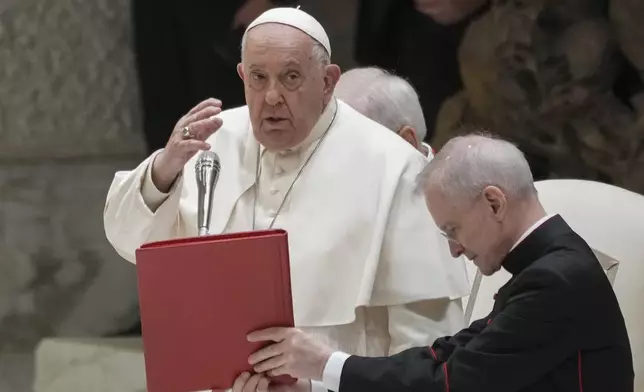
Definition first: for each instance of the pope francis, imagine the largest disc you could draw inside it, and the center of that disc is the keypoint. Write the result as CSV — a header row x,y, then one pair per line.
x,y
370,273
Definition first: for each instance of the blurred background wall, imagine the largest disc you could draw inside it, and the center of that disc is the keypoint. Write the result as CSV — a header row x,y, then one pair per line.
x,y
69,118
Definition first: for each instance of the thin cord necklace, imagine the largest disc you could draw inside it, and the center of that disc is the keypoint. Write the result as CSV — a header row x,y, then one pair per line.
x,y
288,191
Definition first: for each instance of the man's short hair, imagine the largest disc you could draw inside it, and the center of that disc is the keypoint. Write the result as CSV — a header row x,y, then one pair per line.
x,y
383,97
468,164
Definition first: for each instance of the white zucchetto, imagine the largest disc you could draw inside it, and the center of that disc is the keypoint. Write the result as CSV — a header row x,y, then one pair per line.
x,y
297,18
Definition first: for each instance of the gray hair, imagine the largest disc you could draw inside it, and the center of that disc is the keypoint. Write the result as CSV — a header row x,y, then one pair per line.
x,y
385,98
466,165
318,52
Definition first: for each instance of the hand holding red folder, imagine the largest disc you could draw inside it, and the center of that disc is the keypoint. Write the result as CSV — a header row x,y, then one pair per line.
x,y
259,383
294,353
199,298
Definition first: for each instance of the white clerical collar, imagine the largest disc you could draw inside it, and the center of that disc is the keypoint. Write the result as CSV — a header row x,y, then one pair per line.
x,y
318,129
530,230
430,150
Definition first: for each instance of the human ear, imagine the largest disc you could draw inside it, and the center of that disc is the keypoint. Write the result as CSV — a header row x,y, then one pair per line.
x,y
496,200
409,135
240,70
332,74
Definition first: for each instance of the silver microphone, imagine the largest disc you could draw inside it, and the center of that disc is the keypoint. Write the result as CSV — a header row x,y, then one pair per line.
x,y
207,174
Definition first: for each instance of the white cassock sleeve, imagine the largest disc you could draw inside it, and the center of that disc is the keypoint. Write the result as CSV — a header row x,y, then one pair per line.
x,y
421,323
131,220
152,197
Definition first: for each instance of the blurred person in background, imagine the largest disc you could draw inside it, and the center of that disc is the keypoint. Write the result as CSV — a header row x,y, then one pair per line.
x,y
417,40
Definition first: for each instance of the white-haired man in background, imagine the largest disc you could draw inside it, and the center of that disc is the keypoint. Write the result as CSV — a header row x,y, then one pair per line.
x,y
387,99
370,273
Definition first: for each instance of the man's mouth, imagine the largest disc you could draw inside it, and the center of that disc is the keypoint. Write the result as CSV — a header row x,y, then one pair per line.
x,y
275,119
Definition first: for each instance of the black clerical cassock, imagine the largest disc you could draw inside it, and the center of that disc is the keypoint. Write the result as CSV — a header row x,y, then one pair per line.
x,y
556,326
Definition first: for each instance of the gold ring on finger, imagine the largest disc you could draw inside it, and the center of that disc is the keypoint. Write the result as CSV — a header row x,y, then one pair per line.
x,y
185,133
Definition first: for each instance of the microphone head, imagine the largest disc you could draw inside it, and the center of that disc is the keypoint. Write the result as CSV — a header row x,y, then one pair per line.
x,y
207,159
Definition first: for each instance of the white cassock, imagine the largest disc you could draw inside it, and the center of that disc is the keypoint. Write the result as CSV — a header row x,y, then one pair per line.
x,y
370,273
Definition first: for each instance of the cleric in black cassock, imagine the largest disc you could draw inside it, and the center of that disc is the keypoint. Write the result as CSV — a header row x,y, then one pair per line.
x,y
556,325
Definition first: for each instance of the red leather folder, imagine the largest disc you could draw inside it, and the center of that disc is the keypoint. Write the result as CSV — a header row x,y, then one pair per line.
x,y
199,297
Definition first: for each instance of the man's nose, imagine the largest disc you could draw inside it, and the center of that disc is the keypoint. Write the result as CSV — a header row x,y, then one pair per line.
x,y
456,249
273,96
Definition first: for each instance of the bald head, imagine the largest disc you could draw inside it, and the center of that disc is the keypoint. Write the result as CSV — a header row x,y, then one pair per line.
x,y
466,165
385,98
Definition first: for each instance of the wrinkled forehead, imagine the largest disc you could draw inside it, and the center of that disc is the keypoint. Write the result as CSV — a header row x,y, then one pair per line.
x,y
278,39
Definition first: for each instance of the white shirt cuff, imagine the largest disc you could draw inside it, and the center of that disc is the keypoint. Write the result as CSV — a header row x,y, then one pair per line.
x,y
333,371
152,196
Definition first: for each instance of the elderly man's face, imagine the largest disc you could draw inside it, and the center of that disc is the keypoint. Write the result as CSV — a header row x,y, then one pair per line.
x,y
473,228
286,87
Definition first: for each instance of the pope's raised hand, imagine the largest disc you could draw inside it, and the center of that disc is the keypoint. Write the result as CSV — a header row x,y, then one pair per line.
x,y
187,139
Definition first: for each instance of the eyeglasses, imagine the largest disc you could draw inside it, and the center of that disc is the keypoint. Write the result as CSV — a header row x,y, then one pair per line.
x,y
450,236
